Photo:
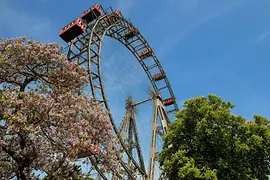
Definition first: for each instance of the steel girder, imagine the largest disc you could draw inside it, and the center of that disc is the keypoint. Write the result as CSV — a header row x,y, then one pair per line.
x,y
86,50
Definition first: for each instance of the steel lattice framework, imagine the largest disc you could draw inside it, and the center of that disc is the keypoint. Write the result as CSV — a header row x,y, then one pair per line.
x,y
86,50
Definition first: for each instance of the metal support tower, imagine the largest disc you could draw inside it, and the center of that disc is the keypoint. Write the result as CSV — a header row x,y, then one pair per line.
x,y
129,135
159,113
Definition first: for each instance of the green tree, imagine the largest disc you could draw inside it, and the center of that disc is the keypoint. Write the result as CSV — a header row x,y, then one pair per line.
x,y
208,142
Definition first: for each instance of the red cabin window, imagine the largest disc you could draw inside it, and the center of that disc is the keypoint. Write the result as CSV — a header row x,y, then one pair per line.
x,y
88,150
92,13
146,53
159,76
118,13
131,33
169,101
96,150
72,30
113,18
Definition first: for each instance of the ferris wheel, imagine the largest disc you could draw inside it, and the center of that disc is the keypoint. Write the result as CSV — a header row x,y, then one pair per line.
x,y
85,37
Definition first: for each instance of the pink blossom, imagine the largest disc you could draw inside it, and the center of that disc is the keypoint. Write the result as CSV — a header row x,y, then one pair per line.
x,y
40,107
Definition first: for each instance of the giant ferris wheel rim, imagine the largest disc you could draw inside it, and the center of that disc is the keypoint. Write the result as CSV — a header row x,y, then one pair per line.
x,y
94,37
119,38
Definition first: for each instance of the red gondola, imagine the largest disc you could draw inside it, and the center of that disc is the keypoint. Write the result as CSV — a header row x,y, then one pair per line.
x,y
92,13
146,53
72,30
168,102
131,33
96,150
88,150
118,13
113,18
159,76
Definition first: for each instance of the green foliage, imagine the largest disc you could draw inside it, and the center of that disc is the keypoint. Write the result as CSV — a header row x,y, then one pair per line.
x,y
87,178
208,142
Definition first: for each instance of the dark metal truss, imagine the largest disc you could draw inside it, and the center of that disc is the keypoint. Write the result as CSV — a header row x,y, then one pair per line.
x,y
86,50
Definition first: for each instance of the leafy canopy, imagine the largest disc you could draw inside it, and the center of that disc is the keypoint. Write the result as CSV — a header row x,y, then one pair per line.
x,y
208,142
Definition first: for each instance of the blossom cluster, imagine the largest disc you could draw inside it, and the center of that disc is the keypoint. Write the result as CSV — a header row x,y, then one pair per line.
x,y
43,114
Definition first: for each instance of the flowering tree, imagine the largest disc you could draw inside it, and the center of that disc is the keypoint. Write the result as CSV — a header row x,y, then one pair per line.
x,y
45,121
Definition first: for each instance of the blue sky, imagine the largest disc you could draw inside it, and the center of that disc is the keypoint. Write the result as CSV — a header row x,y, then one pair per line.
x,y
208,46
205,46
